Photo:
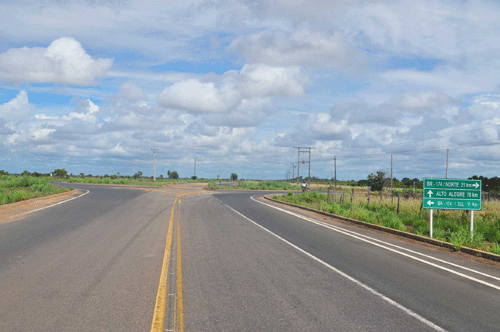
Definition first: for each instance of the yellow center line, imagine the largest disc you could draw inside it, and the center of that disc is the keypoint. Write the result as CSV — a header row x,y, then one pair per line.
x,y
161,296
180,308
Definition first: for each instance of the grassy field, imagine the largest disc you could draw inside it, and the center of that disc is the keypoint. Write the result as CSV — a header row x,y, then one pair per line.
x,y
14,189
131,181
256,185
450,225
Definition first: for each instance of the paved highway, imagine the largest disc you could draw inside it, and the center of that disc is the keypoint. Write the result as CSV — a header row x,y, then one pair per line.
x,y
120,259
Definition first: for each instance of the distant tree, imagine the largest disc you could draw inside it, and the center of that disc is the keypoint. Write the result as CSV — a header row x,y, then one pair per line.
x,y
114,176
60,173
137,175
161,176
418,184
234,176
25,173
194,177
173,175
363,183
2,172
82,175
376,181
406,182
36,174
488,184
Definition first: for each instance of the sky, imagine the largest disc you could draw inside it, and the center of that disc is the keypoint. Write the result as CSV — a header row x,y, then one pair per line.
x,y
94,86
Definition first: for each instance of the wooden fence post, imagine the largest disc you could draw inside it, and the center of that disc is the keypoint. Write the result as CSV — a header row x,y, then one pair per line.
x,y
328,196
369,189
398,205
352,194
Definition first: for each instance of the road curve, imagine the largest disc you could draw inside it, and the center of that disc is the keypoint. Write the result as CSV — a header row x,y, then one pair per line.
x,y
102,262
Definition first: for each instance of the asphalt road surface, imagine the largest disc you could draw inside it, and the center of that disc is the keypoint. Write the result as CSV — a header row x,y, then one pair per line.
x,y
179,259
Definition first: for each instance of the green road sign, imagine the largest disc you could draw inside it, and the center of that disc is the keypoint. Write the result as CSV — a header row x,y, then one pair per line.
x,y
452,194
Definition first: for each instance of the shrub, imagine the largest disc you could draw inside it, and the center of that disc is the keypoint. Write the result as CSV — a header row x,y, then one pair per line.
x,y
212,185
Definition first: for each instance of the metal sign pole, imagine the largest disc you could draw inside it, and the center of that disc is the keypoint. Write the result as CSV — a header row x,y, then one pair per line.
x,y
471,225
432,213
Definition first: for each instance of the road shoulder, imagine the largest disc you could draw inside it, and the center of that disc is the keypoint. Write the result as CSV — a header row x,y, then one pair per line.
x,y
15,211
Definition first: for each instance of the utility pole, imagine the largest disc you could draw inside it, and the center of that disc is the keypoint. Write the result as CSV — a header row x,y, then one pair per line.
x,y
293,170
335,166
298,165
302,149
391,173
309,168
195,168
154,163
392,192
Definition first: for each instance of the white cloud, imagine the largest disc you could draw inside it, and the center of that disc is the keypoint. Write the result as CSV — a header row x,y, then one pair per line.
x,y
118,150
263,80
422,100
325,126
300,48
41,134
195,96
131,91
250,113
255,81
16,109
89,113
64,61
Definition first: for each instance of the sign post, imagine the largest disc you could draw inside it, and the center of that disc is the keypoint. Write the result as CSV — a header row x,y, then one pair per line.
x,y
452,194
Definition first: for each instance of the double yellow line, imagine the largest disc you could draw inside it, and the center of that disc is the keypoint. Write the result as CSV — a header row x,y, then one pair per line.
x,y
161,297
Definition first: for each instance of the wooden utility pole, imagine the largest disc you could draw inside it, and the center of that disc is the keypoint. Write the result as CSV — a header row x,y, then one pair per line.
x,y
335,167
335,174
154,163
391,172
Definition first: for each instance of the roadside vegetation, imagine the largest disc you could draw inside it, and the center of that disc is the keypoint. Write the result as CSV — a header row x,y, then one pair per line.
x,y
18,188
146,181
255,185
449,225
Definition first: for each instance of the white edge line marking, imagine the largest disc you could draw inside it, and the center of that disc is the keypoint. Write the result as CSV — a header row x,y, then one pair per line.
x,y
46,207
358,236
413,252
357,282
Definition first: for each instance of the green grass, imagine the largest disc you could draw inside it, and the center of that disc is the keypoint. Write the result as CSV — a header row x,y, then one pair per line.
x,y
15,189
129,181
267,185
449,226
253,185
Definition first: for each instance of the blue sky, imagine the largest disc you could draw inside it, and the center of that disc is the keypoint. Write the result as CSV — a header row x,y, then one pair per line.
x,y
92,87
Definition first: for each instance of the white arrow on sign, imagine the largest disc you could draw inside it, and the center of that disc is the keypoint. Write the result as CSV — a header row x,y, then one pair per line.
x,y
430,193
476,185
430,202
